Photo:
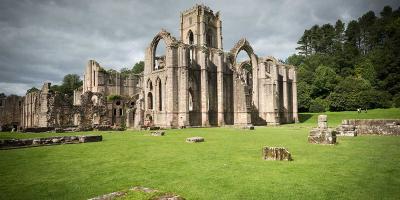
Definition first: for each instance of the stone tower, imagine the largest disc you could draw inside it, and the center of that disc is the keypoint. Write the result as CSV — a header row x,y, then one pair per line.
x,y
200,26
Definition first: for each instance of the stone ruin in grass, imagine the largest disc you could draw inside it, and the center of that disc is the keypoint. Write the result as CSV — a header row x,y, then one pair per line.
x,y
194,139
354,127
322,134
276,153
157,133
21,143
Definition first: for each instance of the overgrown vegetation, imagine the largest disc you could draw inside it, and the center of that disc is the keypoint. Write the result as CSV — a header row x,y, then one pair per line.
x,y
70,83
348,67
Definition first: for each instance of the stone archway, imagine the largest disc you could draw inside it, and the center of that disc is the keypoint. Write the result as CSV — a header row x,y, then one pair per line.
x,y
245,83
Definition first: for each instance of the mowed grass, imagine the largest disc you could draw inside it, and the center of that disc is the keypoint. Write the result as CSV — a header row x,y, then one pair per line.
x,y
227,165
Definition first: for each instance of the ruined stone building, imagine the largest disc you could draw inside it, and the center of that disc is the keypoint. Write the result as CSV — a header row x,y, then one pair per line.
x,y
10,112
195,83
46,109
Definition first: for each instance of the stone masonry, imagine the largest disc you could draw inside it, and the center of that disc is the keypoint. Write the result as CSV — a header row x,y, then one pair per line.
x,y
354,127
322,134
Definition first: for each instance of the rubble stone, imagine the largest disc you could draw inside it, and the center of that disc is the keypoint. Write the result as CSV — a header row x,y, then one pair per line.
x,y
157,133
276,153
195,139
354,127
322,134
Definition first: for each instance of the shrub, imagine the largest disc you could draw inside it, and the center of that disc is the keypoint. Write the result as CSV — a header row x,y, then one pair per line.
x,y
396,101
318,105
113,97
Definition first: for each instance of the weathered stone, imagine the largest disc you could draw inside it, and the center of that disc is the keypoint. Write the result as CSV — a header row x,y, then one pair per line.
x,y
55,140
110,196
208,87
158,133
195,139
276,153
322,134
90,138
322,118
249,127
16,143
354,127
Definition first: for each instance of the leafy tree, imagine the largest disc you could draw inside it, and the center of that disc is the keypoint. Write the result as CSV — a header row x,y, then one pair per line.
x,y
324,82
33,89
138,67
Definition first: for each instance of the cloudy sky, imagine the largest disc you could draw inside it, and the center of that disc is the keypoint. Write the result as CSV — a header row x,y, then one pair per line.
x,y
44,40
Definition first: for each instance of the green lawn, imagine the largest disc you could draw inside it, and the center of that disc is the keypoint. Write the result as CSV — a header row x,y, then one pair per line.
x,y
227,166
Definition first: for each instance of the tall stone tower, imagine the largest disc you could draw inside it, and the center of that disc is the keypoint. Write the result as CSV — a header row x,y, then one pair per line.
x,y
200,26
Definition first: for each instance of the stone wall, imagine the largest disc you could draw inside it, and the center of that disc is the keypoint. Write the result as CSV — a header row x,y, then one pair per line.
x,y
20,143
354,127
46,108
10,112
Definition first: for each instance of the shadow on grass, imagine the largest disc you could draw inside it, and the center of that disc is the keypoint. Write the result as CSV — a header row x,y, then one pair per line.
x,y
304,117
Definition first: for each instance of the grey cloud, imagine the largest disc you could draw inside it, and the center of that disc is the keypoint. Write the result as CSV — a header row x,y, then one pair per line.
x,y
44,40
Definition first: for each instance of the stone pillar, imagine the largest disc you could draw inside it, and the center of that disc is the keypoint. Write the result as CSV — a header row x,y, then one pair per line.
x,y
285,94
219,34
294,90
254,66
171,86
204,87
220,88
183,88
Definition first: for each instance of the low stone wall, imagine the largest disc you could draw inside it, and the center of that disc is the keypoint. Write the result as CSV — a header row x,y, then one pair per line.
x,y
276,153
354,127
20,143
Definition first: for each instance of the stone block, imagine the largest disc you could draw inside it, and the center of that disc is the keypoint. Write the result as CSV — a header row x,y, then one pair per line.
x,y
322,136
195,139
323,125
276,153
90,138
157,133
322,118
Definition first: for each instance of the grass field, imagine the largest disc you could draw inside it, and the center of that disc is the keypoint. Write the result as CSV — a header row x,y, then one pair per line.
x,y
227,166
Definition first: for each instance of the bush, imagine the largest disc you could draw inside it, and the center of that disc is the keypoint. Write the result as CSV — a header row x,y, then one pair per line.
x,y
318,105
396,101
113,97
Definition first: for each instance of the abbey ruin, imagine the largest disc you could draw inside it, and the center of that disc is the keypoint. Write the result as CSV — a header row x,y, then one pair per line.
x,y
195,84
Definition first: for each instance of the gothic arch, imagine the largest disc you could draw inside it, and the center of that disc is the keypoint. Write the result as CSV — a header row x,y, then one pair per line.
x,y
244,45
168,40
190,37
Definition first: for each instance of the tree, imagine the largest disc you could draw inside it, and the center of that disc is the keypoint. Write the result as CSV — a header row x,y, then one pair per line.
x,y
33,89
138,67
324,82
70,83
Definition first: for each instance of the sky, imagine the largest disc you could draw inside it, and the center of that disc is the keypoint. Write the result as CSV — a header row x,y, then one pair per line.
x,y
42,40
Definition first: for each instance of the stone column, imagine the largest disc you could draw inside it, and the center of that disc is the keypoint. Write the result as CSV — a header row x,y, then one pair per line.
x,y
294,90
285,94
220,89
204,87
183,88
254,66
171,86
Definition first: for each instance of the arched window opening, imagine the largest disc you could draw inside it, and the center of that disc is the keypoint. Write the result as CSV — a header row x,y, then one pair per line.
x,y
149,85
159,55
191,37
159,95
209,39
243,62
190,99
150,101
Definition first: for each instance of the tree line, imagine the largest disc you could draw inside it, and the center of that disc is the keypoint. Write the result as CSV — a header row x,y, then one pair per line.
x,y
345,67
